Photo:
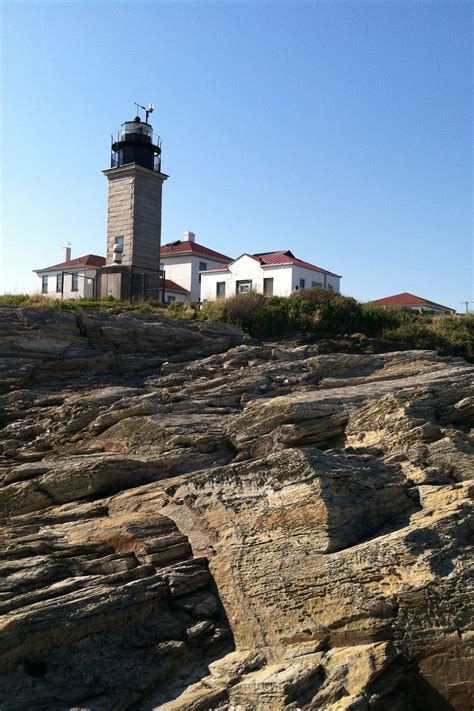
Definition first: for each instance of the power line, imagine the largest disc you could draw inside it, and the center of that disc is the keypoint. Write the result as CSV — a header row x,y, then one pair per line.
x,y
466,304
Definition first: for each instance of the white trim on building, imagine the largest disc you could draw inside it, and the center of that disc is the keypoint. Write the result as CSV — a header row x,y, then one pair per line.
x,y
249,272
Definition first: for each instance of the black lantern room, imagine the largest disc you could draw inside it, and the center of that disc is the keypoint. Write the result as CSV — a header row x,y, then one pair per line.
x,y
136,143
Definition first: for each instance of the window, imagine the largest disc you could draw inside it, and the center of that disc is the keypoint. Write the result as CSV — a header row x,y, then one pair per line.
x,y
44,284
59,282
75,282
170,299
330,286
316,283
162,266
302,283
119,241
268,287
220,290
202,266
243,286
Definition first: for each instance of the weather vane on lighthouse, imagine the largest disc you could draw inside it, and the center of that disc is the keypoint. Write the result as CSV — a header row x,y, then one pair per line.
x,y
147,111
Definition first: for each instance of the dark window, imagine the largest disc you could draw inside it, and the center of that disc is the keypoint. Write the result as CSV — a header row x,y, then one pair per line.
x,y
302,283
44,284
244,286
268,287
220,289
202,266
170,299
75,282
330,286
59,282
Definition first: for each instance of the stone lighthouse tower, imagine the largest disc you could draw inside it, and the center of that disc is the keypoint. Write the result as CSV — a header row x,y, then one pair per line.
x,y
132,268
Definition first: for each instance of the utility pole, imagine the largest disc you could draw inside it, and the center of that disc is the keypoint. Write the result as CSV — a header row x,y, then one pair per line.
x,y
466,304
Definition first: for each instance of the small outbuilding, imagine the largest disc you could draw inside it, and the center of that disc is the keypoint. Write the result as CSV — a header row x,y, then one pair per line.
x,y
415,303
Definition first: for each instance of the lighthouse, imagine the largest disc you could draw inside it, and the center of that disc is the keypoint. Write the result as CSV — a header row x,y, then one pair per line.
x,y
135,186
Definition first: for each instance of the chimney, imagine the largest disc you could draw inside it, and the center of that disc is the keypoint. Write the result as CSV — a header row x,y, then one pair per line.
x,y
67,254
189,237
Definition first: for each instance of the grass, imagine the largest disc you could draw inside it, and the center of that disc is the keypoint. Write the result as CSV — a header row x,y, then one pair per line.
x,y
109,303
311,312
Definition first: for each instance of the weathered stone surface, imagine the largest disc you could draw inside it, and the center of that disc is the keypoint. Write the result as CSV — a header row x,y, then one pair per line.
x,y
41,345
193,522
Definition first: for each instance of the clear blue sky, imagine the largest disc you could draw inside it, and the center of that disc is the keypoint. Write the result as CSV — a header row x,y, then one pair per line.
x,y
339,130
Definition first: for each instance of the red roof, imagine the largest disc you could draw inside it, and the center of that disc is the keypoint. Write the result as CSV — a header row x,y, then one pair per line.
x,y
187,247
173,286
275,258
219,267
88,260
406,299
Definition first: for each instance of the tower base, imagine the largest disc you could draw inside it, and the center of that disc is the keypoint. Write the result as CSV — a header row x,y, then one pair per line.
x,y
129,284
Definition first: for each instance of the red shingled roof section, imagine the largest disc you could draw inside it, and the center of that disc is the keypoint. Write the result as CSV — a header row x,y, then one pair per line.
x,y
275,258
194,248
406,299
219,267
173,286
88,260
289,258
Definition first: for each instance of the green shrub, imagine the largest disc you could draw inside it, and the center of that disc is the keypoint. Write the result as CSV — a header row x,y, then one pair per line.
x,y
212,311
438,332
310,310
375,319
454,329
178,309
415,334
174,309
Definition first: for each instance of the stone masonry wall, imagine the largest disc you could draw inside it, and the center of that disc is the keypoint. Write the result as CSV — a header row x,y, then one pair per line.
x,y
147,219
120,214
134,212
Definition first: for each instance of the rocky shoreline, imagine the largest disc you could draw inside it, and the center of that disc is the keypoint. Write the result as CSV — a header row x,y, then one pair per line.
x,y
192,520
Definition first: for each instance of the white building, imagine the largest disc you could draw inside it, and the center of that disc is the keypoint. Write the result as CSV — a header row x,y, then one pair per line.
x,y
75,278
183,262
71,278
269,273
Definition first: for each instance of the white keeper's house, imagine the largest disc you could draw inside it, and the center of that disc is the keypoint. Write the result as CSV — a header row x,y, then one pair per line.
x,y
183,261
71,278
76,279
270,273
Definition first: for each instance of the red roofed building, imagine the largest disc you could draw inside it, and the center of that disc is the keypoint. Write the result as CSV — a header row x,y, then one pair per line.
x,y
174,292
71,278
279,273
184,260
415,303
74,278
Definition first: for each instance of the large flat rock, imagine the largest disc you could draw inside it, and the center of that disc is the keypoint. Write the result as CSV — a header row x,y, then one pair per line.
x,y
193,522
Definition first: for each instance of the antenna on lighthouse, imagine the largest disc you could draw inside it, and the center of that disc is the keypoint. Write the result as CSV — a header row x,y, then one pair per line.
x,y
147,111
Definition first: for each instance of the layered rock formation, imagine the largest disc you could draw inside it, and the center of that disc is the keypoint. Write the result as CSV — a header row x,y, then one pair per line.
x,y
192,521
